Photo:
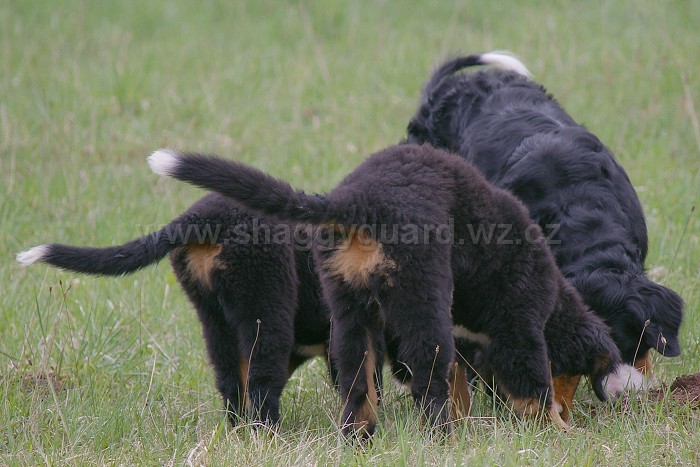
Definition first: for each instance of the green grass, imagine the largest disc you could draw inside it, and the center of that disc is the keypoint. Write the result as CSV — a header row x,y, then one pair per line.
x,y
113,371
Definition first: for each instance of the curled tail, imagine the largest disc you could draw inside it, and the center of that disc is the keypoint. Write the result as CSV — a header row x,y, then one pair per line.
x,y
109,261
438,88
504,60
251,187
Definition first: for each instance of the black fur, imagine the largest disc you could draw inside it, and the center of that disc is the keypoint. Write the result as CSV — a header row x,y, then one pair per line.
x,y
258,304
523,141
506,288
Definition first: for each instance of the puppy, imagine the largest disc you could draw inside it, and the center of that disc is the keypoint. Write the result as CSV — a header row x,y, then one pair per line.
x,y
258,299
522,140
398,286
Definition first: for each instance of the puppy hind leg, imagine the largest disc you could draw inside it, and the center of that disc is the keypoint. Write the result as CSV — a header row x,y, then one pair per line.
x,y
357,350
430,357
224,356
265,344
420,323
464,376
459,391
426,348
220,339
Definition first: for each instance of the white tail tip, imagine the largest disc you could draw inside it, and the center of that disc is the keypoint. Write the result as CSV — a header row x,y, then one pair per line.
x,y
506,60
163,162
33,255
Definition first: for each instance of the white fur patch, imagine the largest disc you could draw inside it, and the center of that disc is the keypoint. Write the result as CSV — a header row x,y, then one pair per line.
x,y
625,378
310,350
461,332
164,162
505,60
558,407
33,255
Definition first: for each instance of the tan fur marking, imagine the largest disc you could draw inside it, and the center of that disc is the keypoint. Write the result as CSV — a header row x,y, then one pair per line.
x,y
564,390
643,364
357,259
555,418
367,414
530,407
527,406
202,260
459,392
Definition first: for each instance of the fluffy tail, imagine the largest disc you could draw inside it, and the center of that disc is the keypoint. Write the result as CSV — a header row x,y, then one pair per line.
x,y
429,124
109,261
505,60
249,186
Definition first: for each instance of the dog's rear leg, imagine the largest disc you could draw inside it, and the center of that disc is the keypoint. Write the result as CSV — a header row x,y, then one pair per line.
x,y
224,356
358,352
428,351
266,337
220,339
459,389
419,325
420,322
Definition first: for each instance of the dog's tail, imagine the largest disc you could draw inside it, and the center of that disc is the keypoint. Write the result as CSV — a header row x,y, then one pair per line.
x,y
114,260
251,187
504,60
428,124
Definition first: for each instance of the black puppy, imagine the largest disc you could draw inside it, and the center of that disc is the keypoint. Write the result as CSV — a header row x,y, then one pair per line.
x,y
396,237
252,282
522,140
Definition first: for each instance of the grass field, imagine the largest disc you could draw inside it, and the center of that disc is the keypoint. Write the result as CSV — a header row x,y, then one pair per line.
x,y
113,371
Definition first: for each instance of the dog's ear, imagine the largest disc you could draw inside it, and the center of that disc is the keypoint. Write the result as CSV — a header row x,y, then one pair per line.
x,y
606,358
603,365
666,343
665,311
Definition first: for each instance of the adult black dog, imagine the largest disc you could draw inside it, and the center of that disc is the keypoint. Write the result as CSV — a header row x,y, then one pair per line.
x,y
522,140
396,240
252,283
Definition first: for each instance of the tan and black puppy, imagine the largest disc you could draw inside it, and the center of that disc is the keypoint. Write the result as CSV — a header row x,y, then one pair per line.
x,y
397,238
252,283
